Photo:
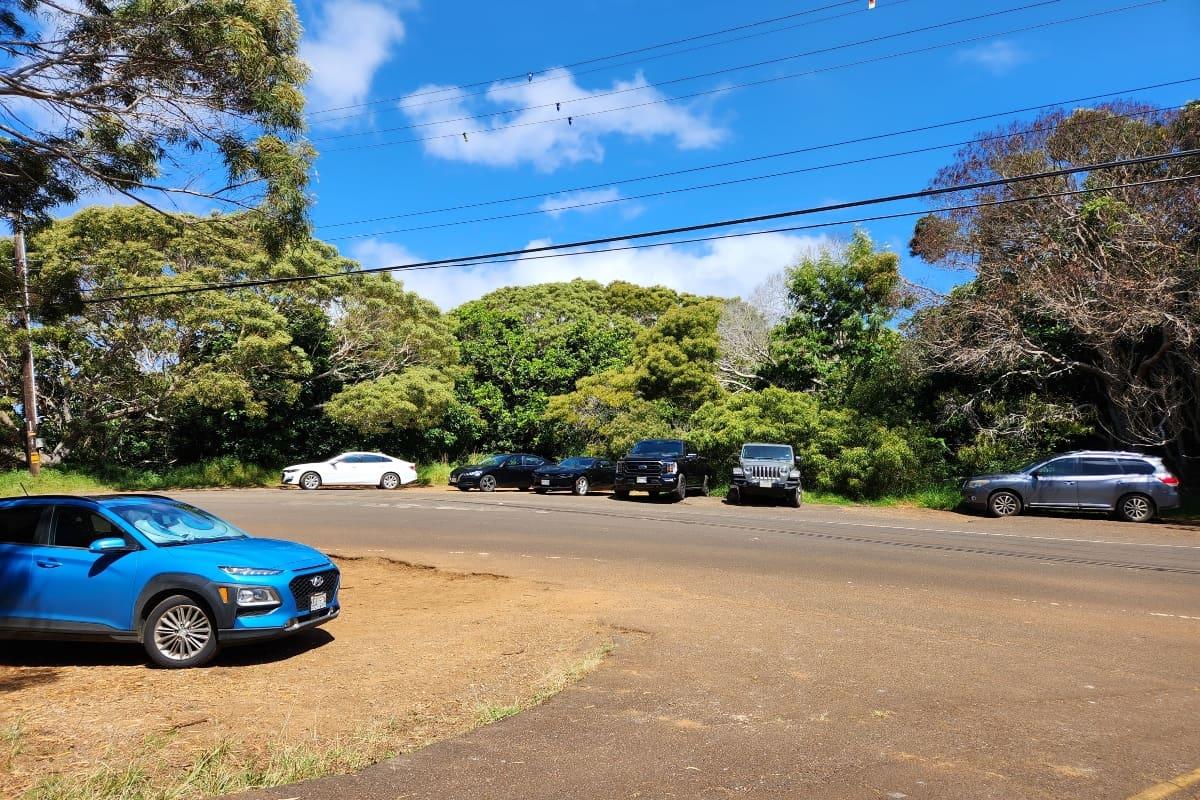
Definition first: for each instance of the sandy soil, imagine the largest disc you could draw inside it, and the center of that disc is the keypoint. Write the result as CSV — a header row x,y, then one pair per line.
x,y
417,655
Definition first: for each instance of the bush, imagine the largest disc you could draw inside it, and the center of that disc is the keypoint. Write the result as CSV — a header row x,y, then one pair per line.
x,y
841,451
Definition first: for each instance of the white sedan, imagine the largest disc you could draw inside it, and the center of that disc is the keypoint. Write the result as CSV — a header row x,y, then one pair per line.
x,y
352,469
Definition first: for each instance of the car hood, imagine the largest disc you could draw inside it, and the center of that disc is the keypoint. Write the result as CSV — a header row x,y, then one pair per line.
x,y
252,552
468,468
315,465
998,476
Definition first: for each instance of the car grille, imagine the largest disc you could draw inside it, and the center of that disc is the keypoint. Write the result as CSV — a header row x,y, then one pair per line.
x,y
303,589
764,471
643,467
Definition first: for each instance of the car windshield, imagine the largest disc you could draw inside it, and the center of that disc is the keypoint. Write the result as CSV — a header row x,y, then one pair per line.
x,y
771,452
658,447
1032,465
492,461
167,523
576,462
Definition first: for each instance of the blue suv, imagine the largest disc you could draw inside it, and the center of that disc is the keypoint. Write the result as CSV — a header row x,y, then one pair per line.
x,y
149,569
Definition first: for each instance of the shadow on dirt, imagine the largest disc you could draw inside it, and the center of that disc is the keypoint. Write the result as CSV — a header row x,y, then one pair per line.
x,y
45,654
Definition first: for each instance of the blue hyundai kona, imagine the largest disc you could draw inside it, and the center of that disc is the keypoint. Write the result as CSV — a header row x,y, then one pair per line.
x,y
149,569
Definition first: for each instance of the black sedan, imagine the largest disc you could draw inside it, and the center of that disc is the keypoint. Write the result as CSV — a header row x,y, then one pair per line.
x,y
579,474
507,470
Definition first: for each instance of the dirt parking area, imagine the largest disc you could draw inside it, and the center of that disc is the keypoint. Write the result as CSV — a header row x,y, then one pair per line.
x,y
417,655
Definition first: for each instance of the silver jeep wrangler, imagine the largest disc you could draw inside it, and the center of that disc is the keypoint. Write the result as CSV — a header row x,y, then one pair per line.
x,y
770,470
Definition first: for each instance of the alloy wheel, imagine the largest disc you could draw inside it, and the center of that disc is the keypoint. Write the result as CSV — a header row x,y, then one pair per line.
x,y
581,485
182,632
1136,508
487,483
310,480
1005,504
390,481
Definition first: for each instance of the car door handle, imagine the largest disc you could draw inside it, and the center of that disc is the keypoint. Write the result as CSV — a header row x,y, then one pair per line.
x,y
49,564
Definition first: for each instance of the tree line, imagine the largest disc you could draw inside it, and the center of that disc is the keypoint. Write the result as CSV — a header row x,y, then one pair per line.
x,y
1077,324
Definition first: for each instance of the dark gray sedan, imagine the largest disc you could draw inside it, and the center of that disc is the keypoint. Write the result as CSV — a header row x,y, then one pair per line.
x,y
1135,486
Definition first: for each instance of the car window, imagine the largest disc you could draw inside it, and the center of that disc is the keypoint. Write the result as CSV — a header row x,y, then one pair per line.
x,y
658,447
1059,467
532,461
79,527
1094,465
1135,466
379,459
168,522
25,524
774,452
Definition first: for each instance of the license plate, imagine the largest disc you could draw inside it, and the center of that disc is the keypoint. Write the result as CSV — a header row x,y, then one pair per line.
x,y
766,484
317,602
545,482
453,479
641,480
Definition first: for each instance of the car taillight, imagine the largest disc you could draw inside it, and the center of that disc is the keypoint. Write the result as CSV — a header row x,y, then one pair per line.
x,y
1169,479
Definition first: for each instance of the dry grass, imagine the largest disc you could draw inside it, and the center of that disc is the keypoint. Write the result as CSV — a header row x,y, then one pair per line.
x,y
417,656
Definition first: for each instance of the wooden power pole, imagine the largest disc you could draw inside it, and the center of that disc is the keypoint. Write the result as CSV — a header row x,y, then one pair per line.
x,y
28,377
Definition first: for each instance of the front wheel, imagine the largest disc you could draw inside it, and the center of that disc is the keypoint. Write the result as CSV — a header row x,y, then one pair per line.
x,y
1136,508
680,493
390,480
487,483
581,486
1004,504
621,494
734,497
310,481
704,487
795,497
179,633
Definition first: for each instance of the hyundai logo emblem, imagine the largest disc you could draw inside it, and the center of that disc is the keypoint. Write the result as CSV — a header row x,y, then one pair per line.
x,y
317,580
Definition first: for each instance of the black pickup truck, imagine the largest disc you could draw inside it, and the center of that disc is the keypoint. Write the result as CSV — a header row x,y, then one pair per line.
x,y
661,466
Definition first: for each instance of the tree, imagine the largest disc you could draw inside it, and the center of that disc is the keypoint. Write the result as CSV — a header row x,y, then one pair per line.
x,y
523,345
1093,299
254,372
139,97
841,301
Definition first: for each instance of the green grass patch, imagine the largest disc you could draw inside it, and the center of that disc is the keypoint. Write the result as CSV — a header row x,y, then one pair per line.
x,y
435,474
215,473
549,686
944,498
15,483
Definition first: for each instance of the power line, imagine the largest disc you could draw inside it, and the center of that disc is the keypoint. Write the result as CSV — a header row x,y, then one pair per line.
x,y
752,159
527,252
736,181
570,118
594,60
492,88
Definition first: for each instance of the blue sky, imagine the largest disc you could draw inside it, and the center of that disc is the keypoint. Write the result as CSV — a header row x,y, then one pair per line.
x,y
405,58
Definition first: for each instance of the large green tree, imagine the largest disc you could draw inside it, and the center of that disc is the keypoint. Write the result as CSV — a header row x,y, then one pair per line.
x,y
143,97
166,378
1088,302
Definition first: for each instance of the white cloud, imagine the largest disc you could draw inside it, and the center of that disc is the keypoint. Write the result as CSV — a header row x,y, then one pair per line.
x,y
996,57
726,267
351,41
541,136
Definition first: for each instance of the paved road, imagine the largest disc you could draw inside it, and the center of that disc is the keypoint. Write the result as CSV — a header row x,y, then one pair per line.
x,y
818,653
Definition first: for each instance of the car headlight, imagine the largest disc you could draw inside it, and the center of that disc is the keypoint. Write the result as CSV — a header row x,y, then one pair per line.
x,y
976,484
739,471
794,474
249,572
257,597
670,469
475,473
286,470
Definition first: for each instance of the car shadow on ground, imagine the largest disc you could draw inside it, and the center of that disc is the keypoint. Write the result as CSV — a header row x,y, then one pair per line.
x,y
757,501
47,654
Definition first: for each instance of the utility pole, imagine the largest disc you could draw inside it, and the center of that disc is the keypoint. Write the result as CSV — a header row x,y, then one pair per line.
x,y
28,377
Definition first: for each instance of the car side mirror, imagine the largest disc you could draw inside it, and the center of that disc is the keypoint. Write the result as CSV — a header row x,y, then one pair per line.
x,y
691,455
113,544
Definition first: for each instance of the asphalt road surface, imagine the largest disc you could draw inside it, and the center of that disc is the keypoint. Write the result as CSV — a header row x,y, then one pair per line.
x,y
811,653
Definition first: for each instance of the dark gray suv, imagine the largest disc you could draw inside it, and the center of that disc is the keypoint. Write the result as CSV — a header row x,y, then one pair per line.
x,y
1133,485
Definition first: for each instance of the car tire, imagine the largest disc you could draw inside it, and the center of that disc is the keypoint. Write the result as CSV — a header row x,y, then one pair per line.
x,y
704,487
680,492
180,633
310,481
1136,508
541,491
1004,504
795,498
581,486
621,494
733,497
487,483
390,480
